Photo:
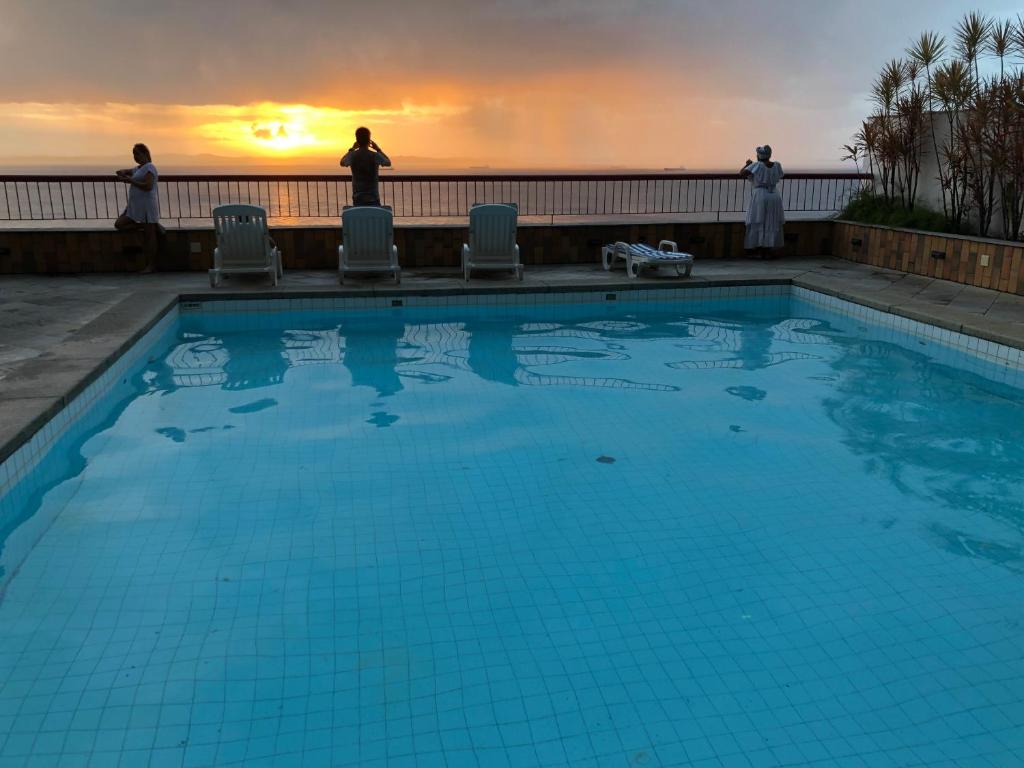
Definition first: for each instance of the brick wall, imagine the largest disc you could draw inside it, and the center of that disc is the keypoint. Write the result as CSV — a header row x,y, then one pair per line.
x,y
104,250
946,257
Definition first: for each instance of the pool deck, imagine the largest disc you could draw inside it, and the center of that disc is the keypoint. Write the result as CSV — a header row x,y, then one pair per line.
x,y
58,333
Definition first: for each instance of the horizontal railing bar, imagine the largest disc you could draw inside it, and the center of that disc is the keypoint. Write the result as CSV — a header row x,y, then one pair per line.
x,y
30,197
395,177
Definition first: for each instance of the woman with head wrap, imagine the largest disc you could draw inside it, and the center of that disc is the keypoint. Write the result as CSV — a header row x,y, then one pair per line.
x,y
765,216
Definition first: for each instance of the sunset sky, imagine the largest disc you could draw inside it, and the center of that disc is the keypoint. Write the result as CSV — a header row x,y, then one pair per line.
x,y
535,83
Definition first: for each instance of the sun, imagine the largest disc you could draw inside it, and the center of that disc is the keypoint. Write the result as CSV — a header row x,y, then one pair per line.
x,y
281,136
270,130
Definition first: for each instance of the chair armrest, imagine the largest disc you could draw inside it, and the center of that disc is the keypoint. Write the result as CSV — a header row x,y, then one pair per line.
x,y
673,247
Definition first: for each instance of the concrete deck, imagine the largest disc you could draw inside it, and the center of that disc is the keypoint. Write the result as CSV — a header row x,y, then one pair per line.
x,y
58,333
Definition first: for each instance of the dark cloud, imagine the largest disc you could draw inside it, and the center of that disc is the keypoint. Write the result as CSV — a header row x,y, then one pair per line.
x,y
600,80
356,53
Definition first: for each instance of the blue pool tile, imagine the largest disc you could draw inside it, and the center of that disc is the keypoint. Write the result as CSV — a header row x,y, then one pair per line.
x,y
822,574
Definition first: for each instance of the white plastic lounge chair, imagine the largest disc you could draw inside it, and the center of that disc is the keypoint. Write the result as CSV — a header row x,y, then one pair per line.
x,y
639,255
244,244
368,242
492,239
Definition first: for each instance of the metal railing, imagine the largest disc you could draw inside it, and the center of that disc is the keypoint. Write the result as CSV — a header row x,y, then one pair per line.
x,y
305,199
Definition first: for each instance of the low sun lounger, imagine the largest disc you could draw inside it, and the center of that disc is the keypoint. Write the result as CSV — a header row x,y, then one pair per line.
x,y
368,242
639,255
492,239
244,245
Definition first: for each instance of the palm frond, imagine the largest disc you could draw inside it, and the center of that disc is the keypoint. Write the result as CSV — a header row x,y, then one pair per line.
x,y
971,35
928,49
1001,37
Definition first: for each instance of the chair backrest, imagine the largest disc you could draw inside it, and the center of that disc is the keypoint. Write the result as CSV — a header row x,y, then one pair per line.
x,y
367,233
492,232
243,238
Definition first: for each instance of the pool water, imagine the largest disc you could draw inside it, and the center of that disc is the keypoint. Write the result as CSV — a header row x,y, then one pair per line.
x,y
583,535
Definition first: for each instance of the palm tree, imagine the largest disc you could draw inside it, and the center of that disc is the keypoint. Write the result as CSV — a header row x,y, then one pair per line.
x,y
927,52
867,137
887,85
981,164
885,92
972,33
911,111
980,136
1018,36
1014,202
952,86
1001,42
853,152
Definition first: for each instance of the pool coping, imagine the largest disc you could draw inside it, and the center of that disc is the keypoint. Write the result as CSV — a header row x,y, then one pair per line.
x,y
41,388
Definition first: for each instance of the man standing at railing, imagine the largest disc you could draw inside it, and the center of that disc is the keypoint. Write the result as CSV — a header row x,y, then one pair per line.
x,y
365,159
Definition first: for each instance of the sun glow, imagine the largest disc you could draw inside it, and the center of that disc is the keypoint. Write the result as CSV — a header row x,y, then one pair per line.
x,y
262,129
297,129
273,129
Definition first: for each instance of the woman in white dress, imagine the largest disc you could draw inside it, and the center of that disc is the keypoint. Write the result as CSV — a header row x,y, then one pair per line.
x,y
143,209
765,216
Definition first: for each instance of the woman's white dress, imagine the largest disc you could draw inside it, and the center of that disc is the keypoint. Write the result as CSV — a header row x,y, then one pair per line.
x,y
143,205
765,216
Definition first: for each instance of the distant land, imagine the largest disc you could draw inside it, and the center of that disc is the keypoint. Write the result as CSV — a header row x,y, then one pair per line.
x,y
172,163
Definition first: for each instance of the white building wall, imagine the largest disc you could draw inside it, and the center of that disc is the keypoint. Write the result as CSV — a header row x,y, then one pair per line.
x,y
929,189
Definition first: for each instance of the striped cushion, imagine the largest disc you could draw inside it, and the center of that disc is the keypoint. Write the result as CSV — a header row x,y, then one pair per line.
x,y
653,254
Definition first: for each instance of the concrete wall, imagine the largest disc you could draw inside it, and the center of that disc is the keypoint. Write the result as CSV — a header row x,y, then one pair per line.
x,y
929,190
104,250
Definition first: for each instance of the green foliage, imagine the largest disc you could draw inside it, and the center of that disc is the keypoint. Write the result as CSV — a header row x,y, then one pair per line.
x,y
869,208
979,149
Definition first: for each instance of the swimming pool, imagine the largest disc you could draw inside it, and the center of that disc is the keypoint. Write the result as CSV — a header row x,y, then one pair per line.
x,y
726,527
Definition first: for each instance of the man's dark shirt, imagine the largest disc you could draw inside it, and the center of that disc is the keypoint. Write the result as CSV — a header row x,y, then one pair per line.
x,y
365,164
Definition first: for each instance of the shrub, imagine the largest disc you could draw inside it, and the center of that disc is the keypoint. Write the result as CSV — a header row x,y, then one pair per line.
x,y
869,208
